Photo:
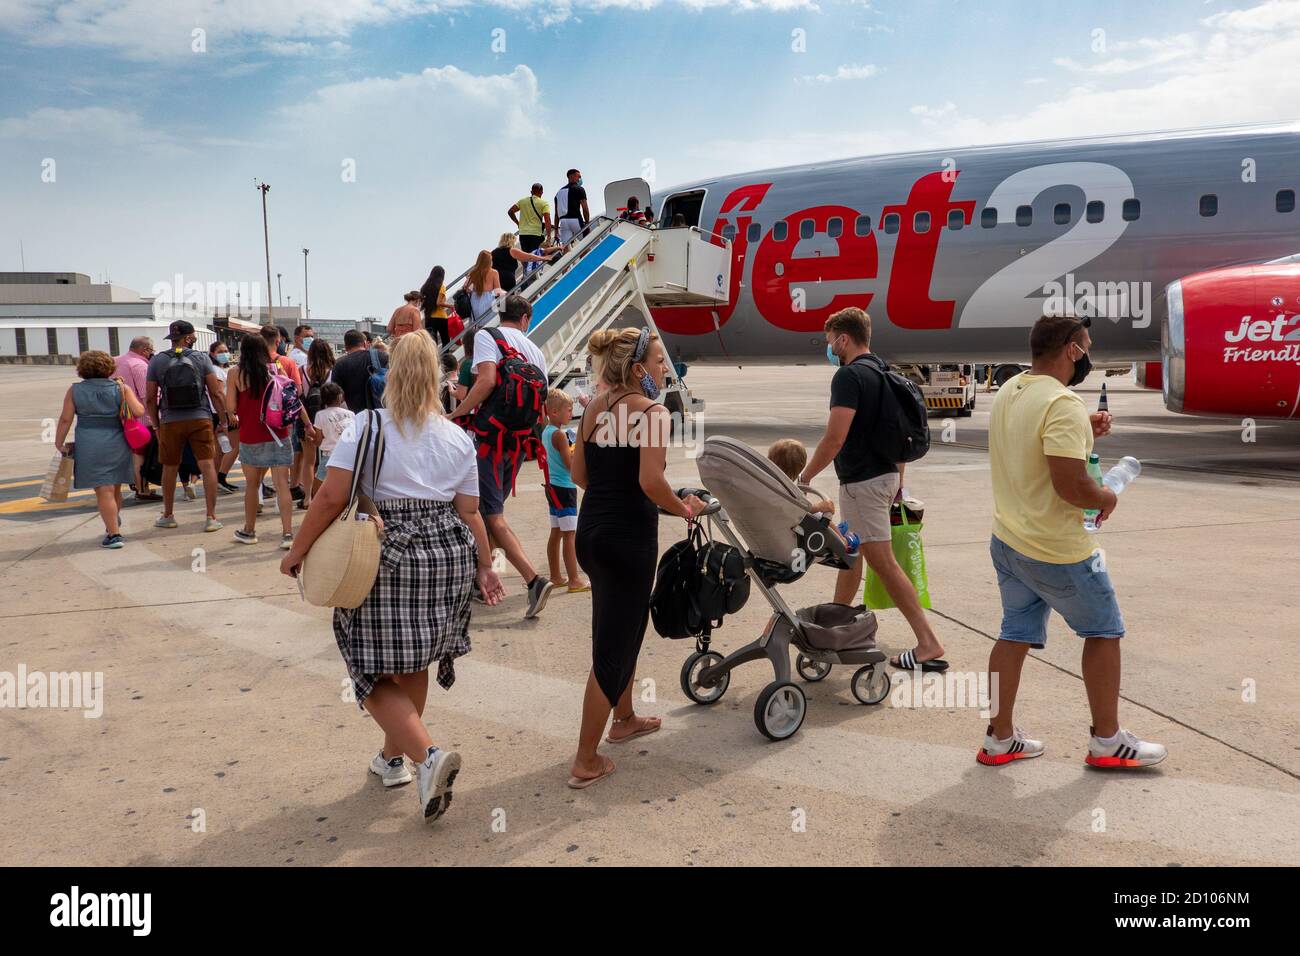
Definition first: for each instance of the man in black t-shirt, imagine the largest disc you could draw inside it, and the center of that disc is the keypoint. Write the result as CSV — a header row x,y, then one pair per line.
x,y
869,482
352,372
571,208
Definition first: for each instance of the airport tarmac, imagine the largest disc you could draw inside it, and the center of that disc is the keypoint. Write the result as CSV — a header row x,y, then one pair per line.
x,y
224,705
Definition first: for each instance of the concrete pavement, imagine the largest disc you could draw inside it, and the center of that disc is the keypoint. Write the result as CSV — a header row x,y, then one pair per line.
x,y
224,692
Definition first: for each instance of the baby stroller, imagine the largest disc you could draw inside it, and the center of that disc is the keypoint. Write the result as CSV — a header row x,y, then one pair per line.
x,y
780,540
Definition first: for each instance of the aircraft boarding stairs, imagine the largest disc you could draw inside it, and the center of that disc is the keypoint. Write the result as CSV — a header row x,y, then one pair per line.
x,y
612,266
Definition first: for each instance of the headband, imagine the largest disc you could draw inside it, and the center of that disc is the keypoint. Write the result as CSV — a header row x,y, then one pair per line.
x,y
642,341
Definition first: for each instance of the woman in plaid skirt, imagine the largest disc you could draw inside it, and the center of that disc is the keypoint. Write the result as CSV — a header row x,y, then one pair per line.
x,y
434,549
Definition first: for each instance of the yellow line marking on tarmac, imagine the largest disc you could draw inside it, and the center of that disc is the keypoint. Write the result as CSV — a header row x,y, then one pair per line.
x,y
21,484
25,505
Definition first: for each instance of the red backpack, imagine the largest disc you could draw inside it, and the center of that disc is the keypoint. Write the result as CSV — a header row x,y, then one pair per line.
x,y
506,421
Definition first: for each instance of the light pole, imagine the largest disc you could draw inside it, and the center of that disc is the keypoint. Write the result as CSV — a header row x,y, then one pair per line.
x,y
306,296
279,284
263,188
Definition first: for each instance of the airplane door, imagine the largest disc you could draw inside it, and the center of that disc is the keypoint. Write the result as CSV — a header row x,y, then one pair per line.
x,y
689,205
617,193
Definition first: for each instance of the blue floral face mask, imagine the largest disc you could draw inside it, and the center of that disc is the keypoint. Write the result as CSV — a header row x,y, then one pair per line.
x,y
648,387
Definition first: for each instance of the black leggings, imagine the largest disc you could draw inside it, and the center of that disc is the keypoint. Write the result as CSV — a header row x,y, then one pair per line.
x,y
621,565
438,329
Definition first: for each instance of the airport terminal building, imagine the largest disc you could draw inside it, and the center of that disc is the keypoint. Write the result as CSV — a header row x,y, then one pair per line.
x,y
52,317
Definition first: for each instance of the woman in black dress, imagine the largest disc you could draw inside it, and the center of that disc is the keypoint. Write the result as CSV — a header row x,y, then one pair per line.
x,y
619,463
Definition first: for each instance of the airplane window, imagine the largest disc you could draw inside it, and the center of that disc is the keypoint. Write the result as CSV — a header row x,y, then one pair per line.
x,y
955,219
1096,211
1024,215
921,222
862,226
780,230
1209,205
754,232
806,229
1061,214
1285,201
988,217
729,233
1131,209
891,223
835,227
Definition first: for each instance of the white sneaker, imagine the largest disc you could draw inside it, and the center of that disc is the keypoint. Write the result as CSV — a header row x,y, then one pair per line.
x,y
393,772
1016,747
436,775
1125,749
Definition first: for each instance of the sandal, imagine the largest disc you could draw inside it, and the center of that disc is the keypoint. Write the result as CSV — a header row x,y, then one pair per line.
x,y
645,729
582,783
907,661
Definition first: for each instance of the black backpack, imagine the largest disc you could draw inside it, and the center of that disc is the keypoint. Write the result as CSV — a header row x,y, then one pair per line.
x,y
313,401
506,423
722,587
697,584
463,304
672,604
902,430
181,381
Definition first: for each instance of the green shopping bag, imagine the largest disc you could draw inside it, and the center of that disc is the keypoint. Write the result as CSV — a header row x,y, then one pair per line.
x,y
905,539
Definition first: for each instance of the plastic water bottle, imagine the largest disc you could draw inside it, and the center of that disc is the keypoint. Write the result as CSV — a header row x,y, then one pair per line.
x,y
224,441
1094,472
1102,404
851,539
1117,479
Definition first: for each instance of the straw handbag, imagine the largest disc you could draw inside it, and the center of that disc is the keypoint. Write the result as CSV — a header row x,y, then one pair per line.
x,y
341,567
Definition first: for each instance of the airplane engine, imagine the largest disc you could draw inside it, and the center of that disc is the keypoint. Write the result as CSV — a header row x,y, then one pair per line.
x,y
1231,345
1150,375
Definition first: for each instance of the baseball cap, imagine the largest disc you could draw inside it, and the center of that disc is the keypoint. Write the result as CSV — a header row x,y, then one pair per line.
x,y
178,330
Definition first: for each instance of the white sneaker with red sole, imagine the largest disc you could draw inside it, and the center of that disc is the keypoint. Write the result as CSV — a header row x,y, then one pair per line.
x,y
1124,750
1016,747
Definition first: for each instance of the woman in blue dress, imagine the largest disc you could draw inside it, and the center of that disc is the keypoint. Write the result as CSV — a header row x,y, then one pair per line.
x,y
101,457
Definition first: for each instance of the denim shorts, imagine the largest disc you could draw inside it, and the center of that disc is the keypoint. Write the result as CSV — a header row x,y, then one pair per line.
x,y
322,465
1081,593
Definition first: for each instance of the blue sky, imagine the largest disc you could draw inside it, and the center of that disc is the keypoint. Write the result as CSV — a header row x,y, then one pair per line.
x,y
156,147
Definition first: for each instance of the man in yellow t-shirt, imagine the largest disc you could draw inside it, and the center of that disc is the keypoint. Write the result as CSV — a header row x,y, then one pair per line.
x,y
1040,435
532,216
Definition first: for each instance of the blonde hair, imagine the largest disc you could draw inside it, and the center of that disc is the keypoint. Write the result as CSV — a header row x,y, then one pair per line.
x,y
790,456
411,391
612,351
507,240
477,278
558,398
95,364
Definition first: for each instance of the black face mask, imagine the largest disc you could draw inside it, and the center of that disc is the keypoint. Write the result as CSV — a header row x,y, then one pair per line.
x,y
1082,366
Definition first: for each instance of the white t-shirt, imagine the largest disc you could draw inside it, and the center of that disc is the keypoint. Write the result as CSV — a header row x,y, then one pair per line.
x,y
435,463
332,422
485,349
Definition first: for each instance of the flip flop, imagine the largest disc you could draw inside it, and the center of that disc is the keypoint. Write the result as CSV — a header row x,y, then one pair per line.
x,y
578,590
582,783
907,662
640,733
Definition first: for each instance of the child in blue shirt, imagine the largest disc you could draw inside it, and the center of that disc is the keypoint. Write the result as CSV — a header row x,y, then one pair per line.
x,y
561,493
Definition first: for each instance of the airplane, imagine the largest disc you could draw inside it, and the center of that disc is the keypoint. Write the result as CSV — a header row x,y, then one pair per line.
x,y
1182,246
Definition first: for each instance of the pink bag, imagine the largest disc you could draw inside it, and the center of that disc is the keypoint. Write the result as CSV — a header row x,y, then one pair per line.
x,y
136,432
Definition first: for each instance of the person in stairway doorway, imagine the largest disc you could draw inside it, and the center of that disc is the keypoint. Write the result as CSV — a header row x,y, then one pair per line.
x,y
495,470
571,208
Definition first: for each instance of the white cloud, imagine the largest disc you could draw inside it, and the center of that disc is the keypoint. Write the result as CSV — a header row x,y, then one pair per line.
x,y
934,113
848,71
1134,55
1241,70
103,127
149,29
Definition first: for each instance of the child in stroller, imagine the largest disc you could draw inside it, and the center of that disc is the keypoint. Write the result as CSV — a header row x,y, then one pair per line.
x,y
760,511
